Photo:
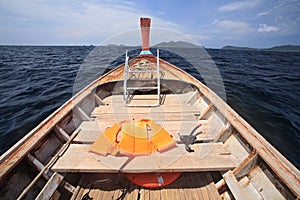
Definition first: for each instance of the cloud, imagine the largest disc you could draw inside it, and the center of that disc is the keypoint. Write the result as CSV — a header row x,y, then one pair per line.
x,y
233,27
76,22
263,13
239,5
197,37
264,28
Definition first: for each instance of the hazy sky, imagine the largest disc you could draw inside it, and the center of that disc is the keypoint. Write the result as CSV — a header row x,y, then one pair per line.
x,y
253,23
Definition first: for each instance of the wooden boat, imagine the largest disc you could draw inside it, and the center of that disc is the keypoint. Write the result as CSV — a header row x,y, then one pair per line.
x,y
216,154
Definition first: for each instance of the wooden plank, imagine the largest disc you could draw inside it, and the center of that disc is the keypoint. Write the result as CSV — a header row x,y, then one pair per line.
x,y
121,109
166,194
168,99
50,187
142,194
207,157
202,182
261,179
78,190
89,125
192,180
78,159
105,194
90,131
234,186
147,194
117,194
87,136
249,189
155,194
205,193
239,152
133,193
172,116
190,191
193,98
39,166
94,193
62,132
243,169
98,100
82,114
175,189
246,165
211,187
79,194
206,111
225,131
185,127
83,192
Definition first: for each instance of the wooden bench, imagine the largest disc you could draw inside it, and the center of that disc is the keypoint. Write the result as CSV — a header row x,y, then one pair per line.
x,y
207,157
91,130
171,112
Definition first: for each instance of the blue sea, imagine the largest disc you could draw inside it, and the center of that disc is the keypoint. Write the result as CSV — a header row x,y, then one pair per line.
x,y
263,87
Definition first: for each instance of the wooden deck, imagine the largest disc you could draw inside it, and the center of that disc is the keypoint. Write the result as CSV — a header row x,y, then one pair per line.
x,y
116,186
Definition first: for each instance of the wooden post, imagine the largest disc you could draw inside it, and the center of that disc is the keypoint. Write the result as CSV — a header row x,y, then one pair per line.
x,y
145,28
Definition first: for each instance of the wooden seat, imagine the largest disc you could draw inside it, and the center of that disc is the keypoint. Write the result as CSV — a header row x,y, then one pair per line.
x,y
176,111
207,157
91,130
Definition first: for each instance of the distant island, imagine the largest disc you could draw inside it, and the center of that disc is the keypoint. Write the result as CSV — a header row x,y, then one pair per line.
x,y
283,48
181,44
239,48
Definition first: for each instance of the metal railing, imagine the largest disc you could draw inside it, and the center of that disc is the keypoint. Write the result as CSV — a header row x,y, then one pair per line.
x,y
133,73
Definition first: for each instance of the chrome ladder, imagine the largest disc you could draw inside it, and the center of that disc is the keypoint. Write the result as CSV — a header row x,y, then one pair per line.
x,y
134,75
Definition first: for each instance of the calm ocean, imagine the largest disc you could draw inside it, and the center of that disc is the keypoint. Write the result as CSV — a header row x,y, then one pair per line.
x,y
263,87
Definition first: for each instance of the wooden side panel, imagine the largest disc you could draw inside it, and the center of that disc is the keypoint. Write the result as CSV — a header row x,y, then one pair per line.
x,y
236,148
262,182
47,149
204,102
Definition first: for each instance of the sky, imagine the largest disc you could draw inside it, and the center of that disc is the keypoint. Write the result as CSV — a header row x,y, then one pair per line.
x,y
213,24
